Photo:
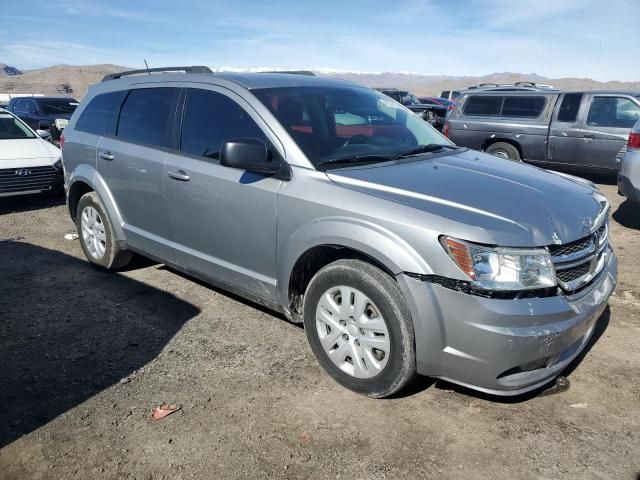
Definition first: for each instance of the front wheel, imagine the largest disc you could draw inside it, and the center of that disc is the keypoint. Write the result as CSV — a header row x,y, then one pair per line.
x,y
359,328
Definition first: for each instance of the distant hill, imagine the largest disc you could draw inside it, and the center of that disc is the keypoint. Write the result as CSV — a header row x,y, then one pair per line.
x,y
8,71
57,80
74,80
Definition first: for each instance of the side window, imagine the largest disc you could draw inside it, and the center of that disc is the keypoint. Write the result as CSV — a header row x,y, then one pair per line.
x,y
483,105
20,107
32,107
210,119
146,117
529,107
569,108
616,112
98,115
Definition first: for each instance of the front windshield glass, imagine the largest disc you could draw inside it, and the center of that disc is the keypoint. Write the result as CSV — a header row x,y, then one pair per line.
x,y
13,129
58,106
333,124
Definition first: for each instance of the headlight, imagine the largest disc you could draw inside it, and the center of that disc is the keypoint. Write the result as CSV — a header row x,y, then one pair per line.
x,y
496,268
58,164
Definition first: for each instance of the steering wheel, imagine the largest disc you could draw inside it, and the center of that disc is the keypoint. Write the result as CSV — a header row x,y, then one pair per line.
x,y
356,140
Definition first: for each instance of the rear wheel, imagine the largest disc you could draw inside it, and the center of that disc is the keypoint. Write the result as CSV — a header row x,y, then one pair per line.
x,y
359,327
96,235
504,150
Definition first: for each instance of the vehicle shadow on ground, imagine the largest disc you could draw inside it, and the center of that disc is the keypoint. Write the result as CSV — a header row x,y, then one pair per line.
x,y
69,330
26,203
422,383
628,215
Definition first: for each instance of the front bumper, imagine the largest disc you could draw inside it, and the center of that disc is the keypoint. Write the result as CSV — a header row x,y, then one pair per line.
x,y
503,347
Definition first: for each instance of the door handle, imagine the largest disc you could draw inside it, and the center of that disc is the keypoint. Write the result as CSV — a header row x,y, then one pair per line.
x,y
588,135
179,175
106,156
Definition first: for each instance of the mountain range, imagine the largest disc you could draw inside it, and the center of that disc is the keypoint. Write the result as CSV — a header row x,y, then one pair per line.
x,y
74,80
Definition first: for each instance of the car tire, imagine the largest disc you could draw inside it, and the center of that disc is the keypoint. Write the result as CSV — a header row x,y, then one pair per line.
x,y
504,150
374,353
96,236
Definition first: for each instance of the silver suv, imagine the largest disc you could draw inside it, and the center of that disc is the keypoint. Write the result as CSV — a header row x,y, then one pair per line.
x,y
337,206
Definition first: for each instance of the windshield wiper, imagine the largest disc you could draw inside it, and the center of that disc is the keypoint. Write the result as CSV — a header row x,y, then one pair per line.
x,y
360,159
430,147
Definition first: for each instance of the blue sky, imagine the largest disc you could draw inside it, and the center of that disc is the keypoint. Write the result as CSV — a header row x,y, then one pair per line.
x,y
581,38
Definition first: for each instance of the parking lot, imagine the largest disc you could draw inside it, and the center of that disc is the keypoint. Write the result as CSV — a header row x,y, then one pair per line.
x,y
88,354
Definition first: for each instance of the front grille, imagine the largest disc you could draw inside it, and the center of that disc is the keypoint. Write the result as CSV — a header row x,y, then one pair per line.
x,y
578,262
573,273
14,180
569,249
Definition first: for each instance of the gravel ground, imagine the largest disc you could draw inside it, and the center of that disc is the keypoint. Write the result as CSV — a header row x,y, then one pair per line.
x,y
88,354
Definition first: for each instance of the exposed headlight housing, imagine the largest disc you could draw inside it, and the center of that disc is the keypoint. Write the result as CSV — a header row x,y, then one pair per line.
x,y
502,269
58,164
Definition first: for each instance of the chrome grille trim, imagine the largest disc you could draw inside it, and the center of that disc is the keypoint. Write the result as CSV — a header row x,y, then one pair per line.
x,y
578,263
37,178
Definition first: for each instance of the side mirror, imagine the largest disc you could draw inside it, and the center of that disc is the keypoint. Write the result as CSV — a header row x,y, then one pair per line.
x,y
248,154
44,134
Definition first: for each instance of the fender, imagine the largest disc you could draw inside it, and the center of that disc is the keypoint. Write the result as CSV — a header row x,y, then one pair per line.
x,y
361,235
89,175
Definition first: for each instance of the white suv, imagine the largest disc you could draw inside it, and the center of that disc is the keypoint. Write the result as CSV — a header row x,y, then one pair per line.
x,y
28,163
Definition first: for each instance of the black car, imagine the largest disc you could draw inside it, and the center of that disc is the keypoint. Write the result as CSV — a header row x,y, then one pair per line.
x,y
41,113
432,112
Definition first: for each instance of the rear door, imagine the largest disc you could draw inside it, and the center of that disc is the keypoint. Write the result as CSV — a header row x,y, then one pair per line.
x,y
132,164
223,219
565,131
608,124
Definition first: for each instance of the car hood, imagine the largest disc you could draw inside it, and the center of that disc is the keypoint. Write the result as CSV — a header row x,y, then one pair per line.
x,y
515,204
26,149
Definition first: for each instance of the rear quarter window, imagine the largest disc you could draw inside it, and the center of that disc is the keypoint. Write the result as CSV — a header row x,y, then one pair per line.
x,y
98,116
524,107
483,105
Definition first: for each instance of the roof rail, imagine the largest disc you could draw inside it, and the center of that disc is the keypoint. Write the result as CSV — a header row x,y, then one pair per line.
x,y
292,72
194,69
490,84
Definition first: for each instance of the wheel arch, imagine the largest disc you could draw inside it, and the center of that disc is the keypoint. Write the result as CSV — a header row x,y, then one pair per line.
x,y
322,242
85,179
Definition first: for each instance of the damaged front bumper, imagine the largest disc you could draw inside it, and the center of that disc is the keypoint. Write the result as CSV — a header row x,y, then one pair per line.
x,y
503,346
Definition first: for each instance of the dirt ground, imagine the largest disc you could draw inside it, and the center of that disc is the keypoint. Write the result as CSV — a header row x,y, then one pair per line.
x,y
87,354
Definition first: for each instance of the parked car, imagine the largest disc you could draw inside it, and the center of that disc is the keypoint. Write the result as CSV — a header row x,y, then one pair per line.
x,y
629,169
28,163
44,113
450,94
373,234
433,113
436,101
571,130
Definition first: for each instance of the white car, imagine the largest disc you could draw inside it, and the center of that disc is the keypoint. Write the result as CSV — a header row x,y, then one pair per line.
x,y
28,163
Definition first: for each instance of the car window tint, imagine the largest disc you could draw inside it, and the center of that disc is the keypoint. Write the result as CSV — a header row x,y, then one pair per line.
x,y
616,112
57,106
523,106
98,115
483,105
147,115
11,128
569,108
210,119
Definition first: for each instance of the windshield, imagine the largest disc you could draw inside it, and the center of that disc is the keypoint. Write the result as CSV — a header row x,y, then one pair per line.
x,y
343,123
58,105
12,129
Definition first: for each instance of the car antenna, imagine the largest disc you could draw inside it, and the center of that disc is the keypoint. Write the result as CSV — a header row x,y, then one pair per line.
x,y
146,65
